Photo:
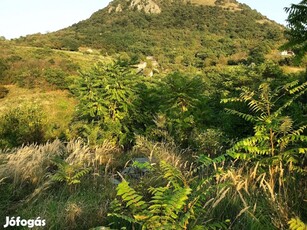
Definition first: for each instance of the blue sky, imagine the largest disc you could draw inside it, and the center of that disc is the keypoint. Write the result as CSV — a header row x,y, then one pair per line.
x,y
273,9
22,17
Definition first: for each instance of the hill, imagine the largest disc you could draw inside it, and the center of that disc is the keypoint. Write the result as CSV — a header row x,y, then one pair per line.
x,y
86,141
177,32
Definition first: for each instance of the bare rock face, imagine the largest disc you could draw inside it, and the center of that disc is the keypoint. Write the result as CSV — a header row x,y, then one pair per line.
x,y
110,9
119,8
148,6
154,6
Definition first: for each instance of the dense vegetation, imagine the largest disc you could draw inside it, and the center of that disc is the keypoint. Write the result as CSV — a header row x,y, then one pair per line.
x,y
87,140
182,35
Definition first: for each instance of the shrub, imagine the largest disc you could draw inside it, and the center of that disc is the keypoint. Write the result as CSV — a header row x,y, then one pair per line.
x,y
22,125
178,204
107,95
56,77
3,91
3,67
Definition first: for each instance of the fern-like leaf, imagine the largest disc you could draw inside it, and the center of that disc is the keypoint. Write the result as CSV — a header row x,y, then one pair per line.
x,y
130,196
172,174
245,116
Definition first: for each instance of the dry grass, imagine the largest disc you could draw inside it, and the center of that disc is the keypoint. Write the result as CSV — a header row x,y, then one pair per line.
x,y
252,187
81,153
33,163
27,52
30,163
204,2
58,105
157,151
262,21
292,69
73,212
226,5
232,7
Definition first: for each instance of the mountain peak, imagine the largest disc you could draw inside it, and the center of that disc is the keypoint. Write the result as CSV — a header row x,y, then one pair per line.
x,y
155,6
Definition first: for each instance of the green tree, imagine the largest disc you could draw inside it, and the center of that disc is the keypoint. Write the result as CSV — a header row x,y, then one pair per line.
x,y
182,92
22,125
297,28
180,98
107,96
256,55
276,144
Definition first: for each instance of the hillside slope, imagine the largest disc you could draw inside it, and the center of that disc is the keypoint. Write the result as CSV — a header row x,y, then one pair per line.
x,y
196,32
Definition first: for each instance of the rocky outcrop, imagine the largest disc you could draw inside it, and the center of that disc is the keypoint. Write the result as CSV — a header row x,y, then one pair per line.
x,y
147,6
154,6
119,8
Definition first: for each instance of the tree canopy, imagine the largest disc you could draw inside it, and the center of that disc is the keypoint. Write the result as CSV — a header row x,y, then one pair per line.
x,y
297,28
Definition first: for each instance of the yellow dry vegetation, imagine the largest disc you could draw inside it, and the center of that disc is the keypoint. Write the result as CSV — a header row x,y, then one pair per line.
x,y
292,69
231,6
262,21
204,2
58,105
226,4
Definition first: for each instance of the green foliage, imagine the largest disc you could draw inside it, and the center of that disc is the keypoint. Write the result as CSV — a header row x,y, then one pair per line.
x,y
187,41
106,96
297,29
169,206
146,166
3,67
210,141
256,55
70,43
32,67
24,124
182,92
275,143
69,173
179,110
3,91
176,205
56,77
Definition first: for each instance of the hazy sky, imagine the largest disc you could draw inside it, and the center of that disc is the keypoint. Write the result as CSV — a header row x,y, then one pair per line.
x,y
22,17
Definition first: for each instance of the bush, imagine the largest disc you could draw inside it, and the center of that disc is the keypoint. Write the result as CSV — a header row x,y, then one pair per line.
x,y
3,67
56,77
21,125
3,91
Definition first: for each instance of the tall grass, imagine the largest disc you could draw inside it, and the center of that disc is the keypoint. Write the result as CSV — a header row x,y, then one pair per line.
x,y
224,190
30,163
252,203
27,188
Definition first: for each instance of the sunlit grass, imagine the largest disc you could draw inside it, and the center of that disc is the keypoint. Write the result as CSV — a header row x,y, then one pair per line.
x,y
58,105
292,69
